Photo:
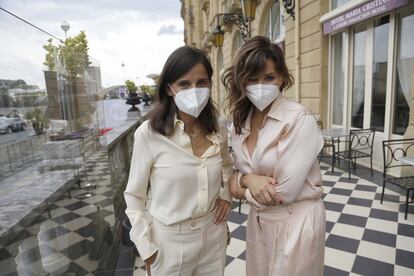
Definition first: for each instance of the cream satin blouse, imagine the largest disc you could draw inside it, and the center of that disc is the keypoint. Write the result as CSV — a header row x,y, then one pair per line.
x,y
287,150
183,186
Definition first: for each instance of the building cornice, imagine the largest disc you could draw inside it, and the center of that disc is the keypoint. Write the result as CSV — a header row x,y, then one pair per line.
x,y
342,9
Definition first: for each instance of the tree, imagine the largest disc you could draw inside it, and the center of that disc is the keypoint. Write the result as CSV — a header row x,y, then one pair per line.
x,y
6,100
73,53
51,55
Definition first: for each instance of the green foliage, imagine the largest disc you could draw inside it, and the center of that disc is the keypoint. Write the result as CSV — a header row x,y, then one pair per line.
x,y
12,84
131,87
6,100
38,119
73,53
36,115
145,88
51,55
149,89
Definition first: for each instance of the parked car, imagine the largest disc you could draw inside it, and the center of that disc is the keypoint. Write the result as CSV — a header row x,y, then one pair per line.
x,y
9,125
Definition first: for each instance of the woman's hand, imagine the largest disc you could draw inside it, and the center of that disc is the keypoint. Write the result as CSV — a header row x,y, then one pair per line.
x,y
235,190
262,189
148,262
222,208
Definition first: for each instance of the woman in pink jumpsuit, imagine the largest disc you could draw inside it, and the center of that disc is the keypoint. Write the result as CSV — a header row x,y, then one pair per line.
x,y
275,146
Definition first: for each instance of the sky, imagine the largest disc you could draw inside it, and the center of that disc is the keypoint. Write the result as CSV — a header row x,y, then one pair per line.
x,y
139,33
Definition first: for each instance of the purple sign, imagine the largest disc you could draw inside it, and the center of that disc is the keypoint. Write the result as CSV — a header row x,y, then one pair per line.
x,y
361,13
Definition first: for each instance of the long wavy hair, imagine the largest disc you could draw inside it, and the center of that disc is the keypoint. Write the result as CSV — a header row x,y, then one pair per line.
x,y
179,63
249,62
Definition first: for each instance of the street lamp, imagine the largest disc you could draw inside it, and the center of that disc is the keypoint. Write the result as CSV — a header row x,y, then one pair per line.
x,y
241,20
218,35
65,27
249,8
123,70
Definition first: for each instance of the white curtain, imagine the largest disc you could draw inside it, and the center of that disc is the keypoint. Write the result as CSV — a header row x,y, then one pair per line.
x,y
405,68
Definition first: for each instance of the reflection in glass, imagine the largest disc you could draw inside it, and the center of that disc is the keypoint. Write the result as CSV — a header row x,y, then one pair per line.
x,y
358,87
379,73
338,77
405,72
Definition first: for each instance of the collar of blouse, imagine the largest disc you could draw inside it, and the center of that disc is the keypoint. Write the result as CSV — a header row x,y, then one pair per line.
x,y
275,112
215,138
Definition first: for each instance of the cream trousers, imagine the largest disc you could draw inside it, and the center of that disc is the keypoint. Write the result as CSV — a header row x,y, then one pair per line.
x,y
190,248
286,240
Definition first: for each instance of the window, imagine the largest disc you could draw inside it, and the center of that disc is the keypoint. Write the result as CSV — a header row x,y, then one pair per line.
x,y
338,84
337,3
379,72
405,72
358,85
275,23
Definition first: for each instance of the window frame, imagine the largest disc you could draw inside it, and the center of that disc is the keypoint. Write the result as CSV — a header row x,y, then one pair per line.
x,y
348,83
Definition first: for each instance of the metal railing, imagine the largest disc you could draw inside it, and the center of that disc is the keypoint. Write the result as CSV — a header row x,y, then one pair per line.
x,y
16,156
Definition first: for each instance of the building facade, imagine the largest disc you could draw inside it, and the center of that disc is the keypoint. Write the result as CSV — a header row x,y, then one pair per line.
x,y
351,59
371,68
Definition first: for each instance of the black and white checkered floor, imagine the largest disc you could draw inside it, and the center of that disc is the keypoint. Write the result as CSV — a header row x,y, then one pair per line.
x,y
363,237
74,239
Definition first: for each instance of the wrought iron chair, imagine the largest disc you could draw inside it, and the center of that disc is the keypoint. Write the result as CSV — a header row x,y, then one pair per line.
x,y
393,151
360,145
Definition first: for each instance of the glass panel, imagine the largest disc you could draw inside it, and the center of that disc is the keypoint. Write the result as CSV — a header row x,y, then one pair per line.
x,y
275,23
338,3
338,77
62,135
358,86
379,72
405,73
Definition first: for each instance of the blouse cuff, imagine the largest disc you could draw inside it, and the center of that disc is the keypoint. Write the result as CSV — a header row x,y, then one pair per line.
x,y
146,248
250,199
238,178
225,193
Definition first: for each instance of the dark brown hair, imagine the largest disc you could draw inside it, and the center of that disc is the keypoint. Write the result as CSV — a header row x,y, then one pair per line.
x,y
249,61
178,63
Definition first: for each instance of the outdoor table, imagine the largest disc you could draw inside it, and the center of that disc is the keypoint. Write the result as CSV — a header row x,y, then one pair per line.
x,y
407,160
334,134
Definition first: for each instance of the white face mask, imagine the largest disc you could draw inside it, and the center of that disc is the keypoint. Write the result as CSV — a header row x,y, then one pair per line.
x,y
261,95
193,100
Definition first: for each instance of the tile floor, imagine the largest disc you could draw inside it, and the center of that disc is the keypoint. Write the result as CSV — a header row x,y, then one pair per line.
x,y
363,237
75,239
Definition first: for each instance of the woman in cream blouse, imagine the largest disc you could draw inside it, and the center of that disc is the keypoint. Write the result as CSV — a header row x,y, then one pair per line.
x,y
276,142
179,153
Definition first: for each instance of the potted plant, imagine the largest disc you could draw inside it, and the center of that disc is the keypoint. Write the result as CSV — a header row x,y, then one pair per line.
x,y
66,64
133,98
38,119
146,97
